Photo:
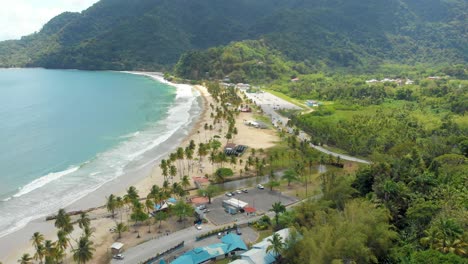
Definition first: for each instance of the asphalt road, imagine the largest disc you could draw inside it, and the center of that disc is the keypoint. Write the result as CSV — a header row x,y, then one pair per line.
x,y
269,103
151,248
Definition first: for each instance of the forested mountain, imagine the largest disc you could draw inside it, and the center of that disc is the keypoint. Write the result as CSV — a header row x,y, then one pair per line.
x,y
152,34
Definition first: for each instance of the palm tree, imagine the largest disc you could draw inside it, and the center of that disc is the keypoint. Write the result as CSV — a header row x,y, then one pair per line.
x,y
185,182
161,216
120,228
172,171
111,204
208,192
37,239
25,259
63,222
277,246
272,184
50,252
182,209
290,175
62,240
84,220
132,193
149,207
119,203
40,253
277,208
84,251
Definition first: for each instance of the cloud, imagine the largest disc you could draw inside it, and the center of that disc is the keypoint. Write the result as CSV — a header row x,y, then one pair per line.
x,y
23,17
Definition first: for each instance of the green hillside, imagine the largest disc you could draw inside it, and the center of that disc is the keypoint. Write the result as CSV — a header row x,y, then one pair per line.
x,y
153,34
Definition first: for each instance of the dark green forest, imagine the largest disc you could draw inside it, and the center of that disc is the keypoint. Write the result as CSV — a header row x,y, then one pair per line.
x,y
317,34
410,204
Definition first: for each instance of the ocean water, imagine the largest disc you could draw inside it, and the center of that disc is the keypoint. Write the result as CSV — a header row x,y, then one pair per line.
x,y
64,133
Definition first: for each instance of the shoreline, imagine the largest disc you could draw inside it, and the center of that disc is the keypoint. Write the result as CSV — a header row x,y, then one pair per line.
x,y
14,244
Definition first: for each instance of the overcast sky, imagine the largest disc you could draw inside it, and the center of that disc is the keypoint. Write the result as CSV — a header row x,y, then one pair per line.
x,y
23,17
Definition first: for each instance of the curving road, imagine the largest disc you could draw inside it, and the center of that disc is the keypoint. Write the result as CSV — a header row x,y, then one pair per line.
x,y
269,103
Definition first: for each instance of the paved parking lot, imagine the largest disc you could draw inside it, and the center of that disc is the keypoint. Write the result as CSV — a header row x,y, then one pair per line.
x,y
262,200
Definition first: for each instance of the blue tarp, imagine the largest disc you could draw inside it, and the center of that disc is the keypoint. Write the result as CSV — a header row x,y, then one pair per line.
x,y
172,200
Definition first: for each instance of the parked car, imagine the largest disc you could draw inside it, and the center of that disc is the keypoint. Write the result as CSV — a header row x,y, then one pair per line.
x,y
228,194
198,227
239,191
220,235
245,191
238,231
118,256
202,207
259,186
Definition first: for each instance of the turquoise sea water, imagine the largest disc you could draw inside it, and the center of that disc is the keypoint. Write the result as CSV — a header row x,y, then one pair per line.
x,y
64,133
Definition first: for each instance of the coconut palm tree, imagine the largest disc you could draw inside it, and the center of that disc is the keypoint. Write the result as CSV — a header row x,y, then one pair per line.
x,y
120,228
161,216
40,253
84,220
277,246
277,208
62,241
164,167
149,208
111,204
63,222
50,252
132,193
119,203
84,251
37,239
185,182
172,171
180,157
25,259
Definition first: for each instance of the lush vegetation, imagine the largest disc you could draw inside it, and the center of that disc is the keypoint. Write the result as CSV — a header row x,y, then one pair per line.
x,y
146,34
409,205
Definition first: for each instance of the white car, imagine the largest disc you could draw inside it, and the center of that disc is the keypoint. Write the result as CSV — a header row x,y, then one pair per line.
x,y
259,186
198,227
118,256
239,191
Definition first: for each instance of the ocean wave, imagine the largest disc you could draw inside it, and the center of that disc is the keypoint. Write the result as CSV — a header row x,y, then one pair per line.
x,y
130,135
38,183
104,167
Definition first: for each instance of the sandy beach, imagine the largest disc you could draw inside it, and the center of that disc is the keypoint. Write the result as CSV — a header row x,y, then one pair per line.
x,y
14,245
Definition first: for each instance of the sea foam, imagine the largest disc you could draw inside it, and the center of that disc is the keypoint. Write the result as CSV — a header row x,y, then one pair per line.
x,y
59,189
38,183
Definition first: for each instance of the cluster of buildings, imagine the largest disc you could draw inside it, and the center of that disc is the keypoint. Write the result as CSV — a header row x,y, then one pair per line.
x,y
230,245
399,82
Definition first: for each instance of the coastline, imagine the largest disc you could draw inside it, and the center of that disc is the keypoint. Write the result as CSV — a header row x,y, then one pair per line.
x,y
17,242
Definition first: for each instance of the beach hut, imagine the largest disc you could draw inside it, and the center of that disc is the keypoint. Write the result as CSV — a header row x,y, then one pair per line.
x,y
117,248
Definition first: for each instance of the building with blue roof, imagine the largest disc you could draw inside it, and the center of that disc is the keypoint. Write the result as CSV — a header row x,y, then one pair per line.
x,y
230,244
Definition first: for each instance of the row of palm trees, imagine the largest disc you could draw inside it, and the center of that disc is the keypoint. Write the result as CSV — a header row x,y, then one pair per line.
x,y
142,211
51,252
